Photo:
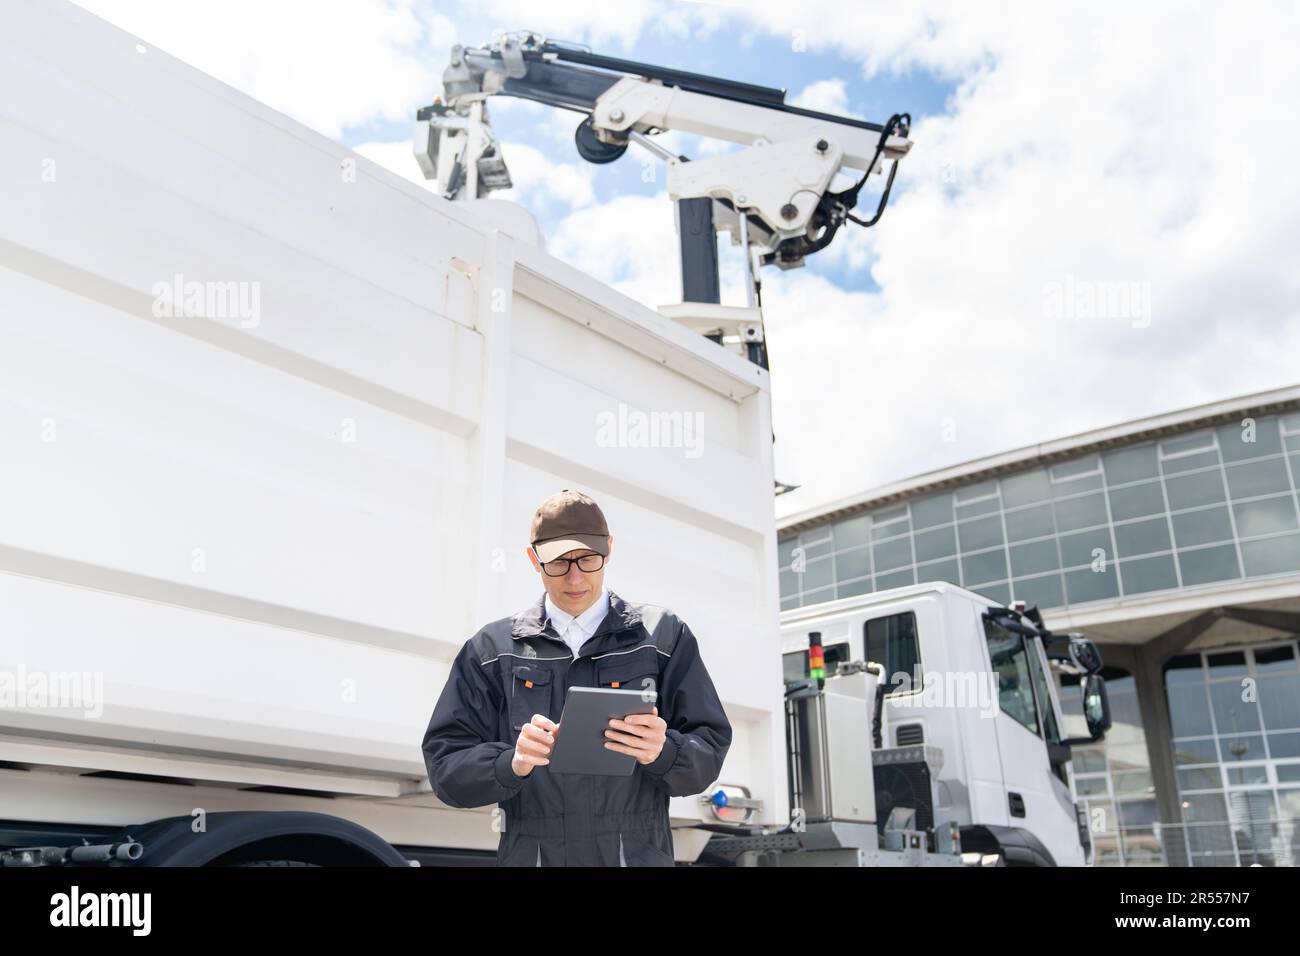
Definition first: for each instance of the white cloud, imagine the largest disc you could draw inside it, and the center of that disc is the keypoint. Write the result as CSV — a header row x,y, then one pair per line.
x,y
543,184
629,243
398,158
1087,150
825,96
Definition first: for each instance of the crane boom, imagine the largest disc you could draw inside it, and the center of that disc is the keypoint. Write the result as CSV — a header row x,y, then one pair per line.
x,y
773,195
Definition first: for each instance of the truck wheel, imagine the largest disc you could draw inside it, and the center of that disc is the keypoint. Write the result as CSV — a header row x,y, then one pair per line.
x,y
275,863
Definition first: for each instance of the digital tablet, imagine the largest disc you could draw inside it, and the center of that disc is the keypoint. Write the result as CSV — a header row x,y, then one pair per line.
x,y
580,741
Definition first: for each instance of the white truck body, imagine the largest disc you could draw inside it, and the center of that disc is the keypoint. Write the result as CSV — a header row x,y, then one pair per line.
x,y
987,754
274,421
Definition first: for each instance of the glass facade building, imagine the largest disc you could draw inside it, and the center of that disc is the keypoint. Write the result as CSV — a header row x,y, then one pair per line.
x,y
1236,726
1200,508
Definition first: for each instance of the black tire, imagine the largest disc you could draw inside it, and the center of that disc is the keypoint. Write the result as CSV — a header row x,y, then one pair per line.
x,y
275,863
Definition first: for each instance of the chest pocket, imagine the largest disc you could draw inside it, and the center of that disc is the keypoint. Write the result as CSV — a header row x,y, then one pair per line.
x,y
530,693
638,670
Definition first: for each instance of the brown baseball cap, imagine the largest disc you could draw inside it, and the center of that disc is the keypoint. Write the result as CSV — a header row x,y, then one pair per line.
x,y
566,521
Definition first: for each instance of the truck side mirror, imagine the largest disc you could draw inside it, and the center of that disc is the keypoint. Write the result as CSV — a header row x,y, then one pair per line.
x,y
1096,710
1096,706
1084,654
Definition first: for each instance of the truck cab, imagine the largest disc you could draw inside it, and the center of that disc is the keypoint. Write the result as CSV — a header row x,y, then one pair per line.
x,y
972,679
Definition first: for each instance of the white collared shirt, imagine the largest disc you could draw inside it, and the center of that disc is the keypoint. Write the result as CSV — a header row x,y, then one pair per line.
x,y
576,631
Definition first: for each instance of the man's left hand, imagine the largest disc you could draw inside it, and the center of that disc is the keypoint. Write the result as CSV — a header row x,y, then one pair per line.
x,y
641,735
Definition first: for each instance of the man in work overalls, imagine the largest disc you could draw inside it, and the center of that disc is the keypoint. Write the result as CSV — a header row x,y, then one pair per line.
x,y
492,730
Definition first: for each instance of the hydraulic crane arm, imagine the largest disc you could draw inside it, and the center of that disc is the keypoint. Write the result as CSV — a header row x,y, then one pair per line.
x,y
773,195
781,177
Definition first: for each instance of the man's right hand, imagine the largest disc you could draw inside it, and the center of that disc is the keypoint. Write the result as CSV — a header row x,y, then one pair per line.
x,y
533,748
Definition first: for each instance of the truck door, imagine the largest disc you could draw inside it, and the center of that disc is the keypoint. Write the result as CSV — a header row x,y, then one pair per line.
x,y
1038,795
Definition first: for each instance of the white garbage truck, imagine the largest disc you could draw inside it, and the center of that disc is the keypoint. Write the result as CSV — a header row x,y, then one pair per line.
x,y
273,423
924,727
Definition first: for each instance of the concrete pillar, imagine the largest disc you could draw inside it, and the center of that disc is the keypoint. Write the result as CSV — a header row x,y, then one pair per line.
x,y
1147,666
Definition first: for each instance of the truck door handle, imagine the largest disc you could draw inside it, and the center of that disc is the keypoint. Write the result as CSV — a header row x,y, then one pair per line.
x,y
1017,804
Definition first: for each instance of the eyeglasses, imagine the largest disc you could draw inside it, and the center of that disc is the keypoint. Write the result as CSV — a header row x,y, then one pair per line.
x,y
560,566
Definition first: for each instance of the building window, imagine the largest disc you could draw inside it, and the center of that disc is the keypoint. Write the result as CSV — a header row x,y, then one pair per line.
x,y
1112,778
1235,714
